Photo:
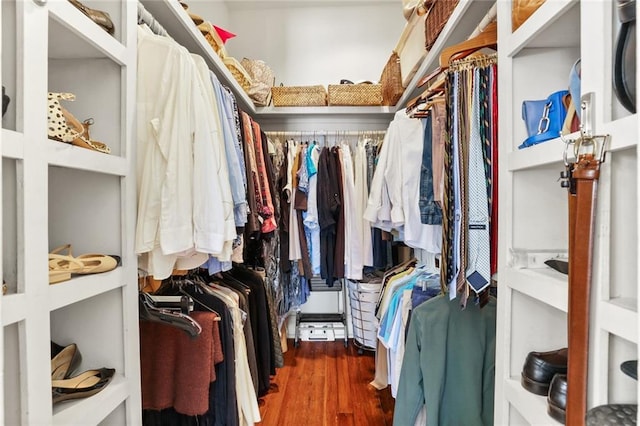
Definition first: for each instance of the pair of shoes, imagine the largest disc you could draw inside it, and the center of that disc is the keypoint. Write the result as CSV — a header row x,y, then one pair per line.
x,y
5,102
98,16
64,360
64,127
61,266
545,373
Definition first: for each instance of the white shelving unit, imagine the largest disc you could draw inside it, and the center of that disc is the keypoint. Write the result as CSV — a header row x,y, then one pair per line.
x,y
53,194
534,61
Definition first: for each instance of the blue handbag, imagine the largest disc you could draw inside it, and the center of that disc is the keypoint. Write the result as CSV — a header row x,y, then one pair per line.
x,y
544,118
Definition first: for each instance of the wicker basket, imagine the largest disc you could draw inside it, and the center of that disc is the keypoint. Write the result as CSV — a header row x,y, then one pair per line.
x,y
299,96
521,10
213,38
391,81
436,19
238,72
355,94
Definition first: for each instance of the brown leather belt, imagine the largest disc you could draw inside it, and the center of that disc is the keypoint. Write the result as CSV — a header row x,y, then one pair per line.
x,y
583,185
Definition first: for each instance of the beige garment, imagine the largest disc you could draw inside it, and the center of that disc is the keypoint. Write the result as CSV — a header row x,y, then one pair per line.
x,y
438,125
380,380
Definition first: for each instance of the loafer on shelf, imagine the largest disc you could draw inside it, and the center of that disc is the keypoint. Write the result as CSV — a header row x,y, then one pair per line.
x,y
98,16
540,367
64,360
557,398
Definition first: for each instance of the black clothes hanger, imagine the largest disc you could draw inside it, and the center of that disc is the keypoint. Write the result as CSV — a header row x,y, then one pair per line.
x,y
149,312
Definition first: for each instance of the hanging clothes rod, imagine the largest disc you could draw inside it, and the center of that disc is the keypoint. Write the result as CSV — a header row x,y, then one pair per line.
x,y
145,17
328,133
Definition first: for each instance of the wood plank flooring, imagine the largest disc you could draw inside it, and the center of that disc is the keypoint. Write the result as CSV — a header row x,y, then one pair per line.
x,y
324,384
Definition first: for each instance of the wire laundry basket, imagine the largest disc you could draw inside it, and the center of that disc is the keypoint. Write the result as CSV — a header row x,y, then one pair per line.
x,y
363,298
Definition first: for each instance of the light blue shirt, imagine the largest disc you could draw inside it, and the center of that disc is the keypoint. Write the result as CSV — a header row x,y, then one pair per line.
x,y
236,173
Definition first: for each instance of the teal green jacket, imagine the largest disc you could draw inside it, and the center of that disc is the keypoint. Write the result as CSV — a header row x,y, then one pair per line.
x,y
449,365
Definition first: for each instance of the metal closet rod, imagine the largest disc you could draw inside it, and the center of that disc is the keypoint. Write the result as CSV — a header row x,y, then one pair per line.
x,y
327,132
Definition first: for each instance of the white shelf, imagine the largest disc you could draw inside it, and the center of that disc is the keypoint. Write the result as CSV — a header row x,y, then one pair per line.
x,y
619,316
13,308
537,155
77,36
623,136
176,21
12,144
543,284
531,406
554,24
462,22
92,410
83,287
327,110
66,155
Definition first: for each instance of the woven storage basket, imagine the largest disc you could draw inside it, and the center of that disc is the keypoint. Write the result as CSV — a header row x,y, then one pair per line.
x,y
299,96
521,10
436,19
355,94
213,39
391,81
238,72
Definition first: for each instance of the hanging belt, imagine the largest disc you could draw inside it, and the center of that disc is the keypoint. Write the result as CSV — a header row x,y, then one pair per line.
x,y
583,184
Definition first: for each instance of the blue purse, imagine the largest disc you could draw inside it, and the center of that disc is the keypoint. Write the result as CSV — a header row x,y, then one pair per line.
x,y
544,118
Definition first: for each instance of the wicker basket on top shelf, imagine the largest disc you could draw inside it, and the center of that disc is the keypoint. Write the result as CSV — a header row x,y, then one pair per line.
x,y
239,73
363,94
299,96
214,40
436,19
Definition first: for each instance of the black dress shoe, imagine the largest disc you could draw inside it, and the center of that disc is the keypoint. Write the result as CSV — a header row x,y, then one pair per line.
x,y
5,102
557,398
540,367
630,368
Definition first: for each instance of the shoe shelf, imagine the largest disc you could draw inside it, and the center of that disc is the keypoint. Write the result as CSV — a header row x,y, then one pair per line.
x,y
543,284
73,35
73,157
83,287
552,25
530,406
12,144
94,409
619,316
14,308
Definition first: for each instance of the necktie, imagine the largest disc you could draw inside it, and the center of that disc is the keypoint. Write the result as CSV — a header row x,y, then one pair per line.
x,y
478,270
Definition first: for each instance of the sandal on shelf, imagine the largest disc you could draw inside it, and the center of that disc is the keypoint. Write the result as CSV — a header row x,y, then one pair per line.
x,y
81,386
90,263
61,269
64,360
64,127
98,16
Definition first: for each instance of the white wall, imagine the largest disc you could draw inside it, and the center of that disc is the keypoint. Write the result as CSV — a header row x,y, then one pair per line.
x,y
316,42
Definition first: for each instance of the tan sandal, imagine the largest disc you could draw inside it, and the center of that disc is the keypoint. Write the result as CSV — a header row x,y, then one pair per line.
x,y
90,263
64,127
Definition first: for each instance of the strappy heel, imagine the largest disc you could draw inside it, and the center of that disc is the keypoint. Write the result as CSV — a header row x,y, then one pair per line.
x,y
64,127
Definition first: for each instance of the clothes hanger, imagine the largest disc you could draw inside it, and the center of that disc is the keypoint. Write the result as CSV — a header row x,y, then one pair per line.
x,y
487,38
148,312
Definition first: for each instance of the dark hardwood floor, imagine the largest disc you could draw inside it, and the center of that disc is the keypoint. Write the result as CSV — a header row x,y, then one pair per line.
x,y
324,384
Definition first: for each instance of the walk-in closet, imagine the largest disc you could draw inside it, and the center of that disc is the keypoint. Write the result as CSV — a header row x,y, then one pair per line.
x,y
318,212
